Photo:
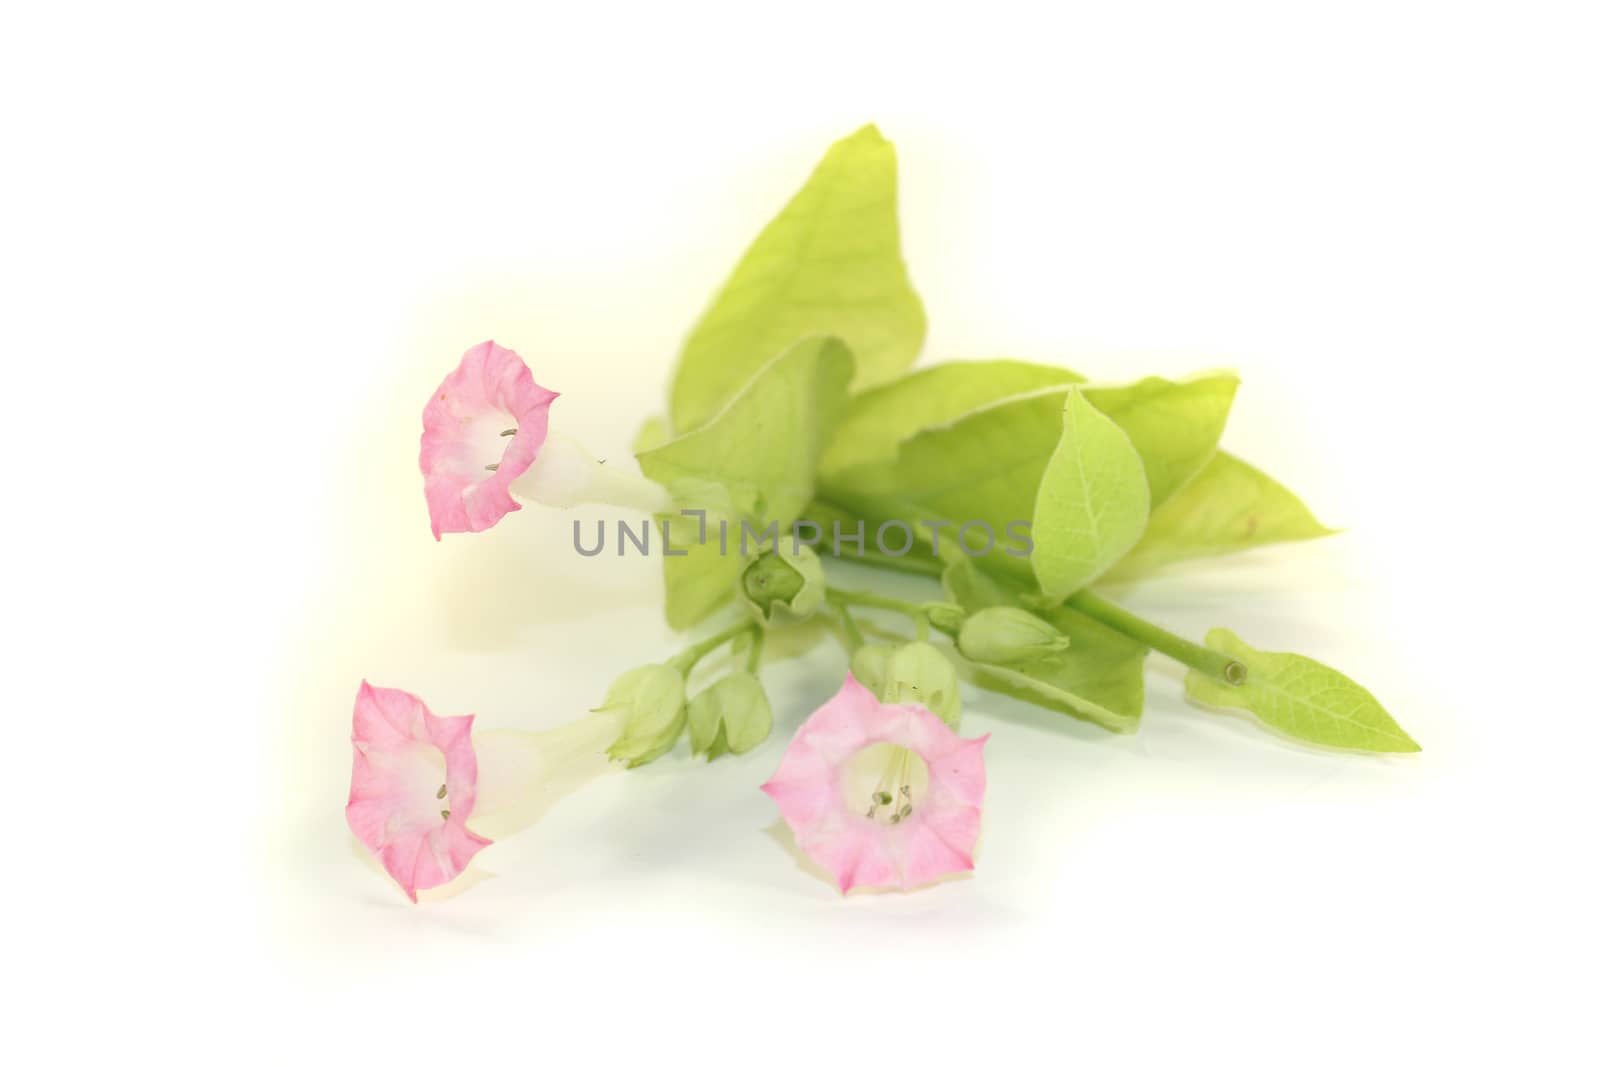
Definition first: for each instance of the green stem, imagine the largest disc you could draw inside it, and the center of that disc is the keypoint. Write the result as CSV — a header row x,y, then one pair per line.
x,y
685,661
1206,660
930,568
862,598
852,632
1200,658
753,663
873,600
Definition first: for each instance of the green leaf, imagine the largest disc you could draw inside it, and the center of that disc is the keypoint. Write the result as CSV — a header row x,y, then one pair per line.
x,y
755,461
828,264
986,463
651,433
1229,506
879,419
983,467
1174,426
830,519
764,446
1302,698
1093,501
1099,678
702,579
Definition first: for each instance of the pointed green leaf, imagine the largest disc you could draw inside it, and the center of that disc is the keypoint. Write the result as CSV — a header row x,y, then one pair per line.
x,y
984,467
764,446
1302,698
755,461
651,433
828,264
1093,501
986,464
1174,426
703,578
830,519
1228,507
878,419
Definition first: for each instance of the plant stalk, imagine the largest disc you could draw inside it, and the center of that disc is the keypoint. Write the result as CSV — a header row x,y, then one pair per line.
x,y
685,661
1206,660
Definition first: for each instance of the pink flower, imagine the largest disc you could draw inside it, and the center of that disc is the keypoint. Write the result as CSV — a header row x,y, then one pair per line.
x,y
482,428
881,794
412,788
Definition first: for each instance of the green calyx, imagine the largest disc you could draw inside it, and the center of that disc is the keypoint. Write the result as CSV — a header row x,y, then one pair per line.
x,y
912,673
650,700
785,583
1007,635
731,715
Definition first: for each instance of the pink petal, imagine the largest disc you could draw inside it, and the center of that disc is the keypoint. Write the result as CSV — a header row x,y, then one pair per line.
x,y
924,855
463,433
403,755
937,838
959,770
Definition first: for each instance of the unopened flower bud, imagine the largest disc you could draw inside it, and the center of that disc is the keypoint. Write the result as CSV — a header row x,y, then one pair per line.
x,y
785,582
731,715
1008,635
650,700
945,617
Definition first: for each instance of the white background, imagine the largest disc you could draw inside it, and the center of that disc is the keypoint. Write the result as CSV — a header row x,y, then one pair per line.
x,y
240,246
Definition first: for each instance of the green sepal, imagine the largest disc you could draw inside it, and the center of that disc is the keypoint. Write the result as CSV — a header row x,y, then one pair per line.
x,y
732,714
650,700
913,673
786,583
869,664
918,673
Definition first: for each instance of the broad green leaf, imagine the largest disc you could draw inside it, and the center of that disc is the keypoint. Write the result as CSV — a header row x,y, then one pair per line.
x,y
1229,506
986,464
879,419
984,467
651,433
840,530
828,264
755,461
1174,426
1302,698
1093,501
764,446
1099,678
702,579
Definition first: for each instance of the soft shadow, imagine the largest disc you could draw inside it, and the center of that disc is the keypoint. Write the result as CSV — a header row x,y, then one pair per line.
x,y
521,575
779,832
